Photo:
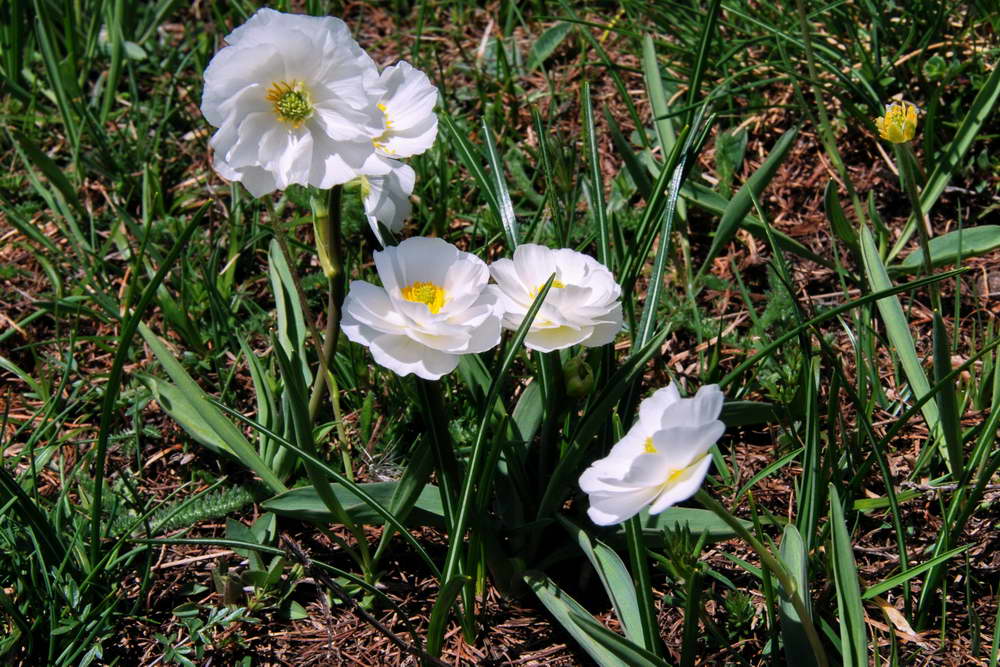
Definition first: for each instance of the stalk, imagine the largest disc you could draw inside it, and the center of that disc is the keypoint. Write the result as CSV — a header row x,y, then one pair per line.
x,y
906,162
329,247
772,564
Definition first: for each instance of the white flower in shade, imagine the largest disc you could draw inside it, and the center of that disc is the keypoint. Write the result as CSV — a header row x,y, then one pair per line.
x,y
583,306
662,460
408,107
387,198
432,308
296,101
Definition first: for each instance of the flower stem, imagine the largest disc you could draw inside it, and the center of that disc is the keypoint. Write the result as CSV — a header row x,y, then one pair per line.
x,y
326,223
906,161
550,376
643,586
768,560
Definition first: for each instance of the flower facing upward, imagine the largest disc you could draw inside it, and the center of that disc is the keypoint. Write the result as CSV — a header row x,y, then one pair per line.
x,y
661,461
432,308
296,101
583,306
899,123
408,110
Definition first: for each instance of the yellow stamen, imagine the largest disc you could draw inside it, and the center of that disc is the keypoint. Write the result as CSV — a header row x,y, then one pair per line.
x,y
899,123
291,102
427,293
556,284
648,446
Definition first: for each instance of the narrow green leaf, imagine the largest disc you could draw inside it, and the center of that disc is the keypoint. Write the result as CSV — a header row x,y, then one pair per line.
x,y
903,577
853,638
739,206
568,612
951,247
186,403
614,577
596,181
898,330
947,400
304,503
698,521
546,44
842,229
502,194
798,651
625,652
657,98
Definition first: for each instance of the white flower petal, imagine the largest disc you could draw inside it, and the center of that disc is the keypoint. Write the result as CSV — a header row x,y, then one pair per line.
x,y
451,312
404,355
658,468
323,138
582,306
685,486
607,509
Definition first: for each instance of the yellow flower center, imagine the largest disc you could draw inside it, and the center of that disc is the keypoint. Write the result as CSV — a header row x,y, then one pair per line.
x,y
899,123
427,293
291,102
556,284
380,142
675,473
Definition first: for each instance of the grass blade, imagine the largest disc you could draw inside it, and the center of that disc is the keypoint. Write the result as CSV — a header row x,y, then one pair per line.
x,y
853,639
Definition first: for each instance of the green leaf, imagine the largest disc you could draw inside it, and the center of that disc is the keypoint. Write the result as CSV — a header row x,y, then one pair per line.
x,y
898,330
798,650
711,201
546,44
698,521
841,227
569,612
951,247
625,652
853,639
903,577
614,577
743,413
739,206
190,407
304,503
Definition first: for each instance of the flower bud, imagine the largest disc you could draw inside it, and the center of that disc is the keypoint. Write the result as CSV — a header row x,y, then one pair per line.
x,y
579,377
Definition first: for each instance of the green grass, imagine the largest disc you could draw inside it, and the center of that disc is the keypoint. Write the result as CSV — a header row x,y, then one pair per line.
x,y
158,342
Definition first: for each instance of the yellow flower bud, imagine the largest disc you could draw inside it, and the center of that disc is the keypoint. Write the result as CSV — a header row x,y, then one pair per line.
x,y
899,123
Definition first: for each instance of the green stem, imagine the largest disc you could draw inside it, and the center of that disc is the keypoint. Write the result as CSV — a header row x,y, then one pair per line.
x,y
550,376
771,563
906,162
436,420
643,586
329,247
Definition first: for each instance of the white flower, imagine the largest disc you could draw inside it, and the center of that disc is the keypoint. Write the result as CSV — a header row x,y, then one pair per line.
x,y
296,101
661,461
433,307
387,198
582,306
408,106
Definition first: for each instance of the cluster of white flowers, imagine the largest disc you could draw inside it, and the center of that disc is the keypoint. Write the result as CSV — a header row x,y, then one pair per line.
x,y
298,101
435,304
